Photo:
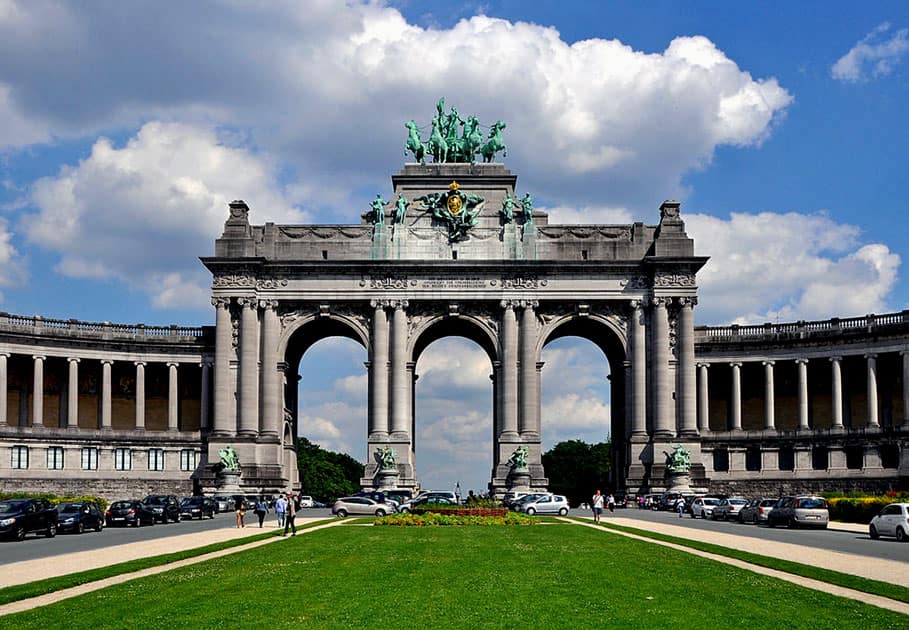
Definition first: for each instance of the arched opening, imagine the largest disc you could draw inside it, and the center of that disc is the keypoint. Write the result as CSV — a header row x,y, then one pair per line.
x,y
325,388
583,392
453,406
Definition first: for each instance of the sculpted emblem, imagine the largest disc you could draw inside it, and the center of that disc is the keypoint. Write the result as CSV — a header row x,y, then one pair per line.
x,y
457,209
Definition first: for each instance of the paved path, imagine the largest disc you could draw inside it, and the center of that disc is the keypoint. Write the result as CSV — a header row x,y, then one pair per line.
x,y
884,570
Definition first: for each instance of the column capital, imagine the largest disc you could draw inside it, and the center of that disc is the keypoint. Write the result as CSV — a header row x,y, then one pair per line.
x,y
735,364
138,363
903,353
173,364
206,363
660,301
702,364
638,304
220,302
107,361
73,359
248,302
835,359
5,355
269,305
801,361
529,304
768,362
39,357
509,304
870,355
689,301
398,305
379,305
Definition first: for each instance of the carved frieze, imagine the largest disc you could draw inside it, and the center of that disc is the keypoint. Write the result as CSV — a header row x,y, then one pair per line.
x,y
234,281
673,279
271,283
386,282
634,283
523,282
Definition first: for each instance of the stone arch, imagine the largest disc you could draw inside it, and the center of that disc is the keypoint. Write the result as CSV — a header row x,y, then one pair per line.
x,y
467,326
301,333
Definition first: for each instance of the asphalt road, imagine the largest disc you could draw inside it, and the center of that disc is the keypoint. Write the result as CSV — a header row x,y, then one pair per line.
x,y
35,546
821,539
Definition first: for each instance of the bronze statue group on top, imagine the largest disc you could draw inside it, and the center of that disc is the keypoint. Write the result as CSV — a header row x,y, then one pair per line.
x,y
453,139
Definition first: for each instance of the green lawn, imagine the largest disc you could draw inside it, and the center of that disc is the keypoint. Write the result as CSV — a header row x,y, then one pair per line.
x,y
546,576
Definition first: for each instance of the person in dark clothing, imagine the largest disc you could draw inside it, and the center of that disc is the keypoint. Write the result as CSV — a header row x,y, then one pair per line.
x,y
290,516
261,509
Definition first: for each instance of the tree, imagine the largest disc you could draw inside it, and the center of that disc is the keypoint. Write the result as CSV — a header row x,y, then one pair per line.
x,y
577,469
326,475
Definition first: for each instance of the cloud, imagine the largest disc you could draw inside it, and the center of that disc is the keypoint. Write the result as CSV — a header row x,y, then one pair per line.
x,y
873,55
142,213
791,266
589,214
326,88
12,265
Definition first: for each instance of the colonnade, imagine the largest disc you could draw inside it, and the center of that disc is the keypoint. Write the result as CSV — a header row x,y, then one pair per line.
x,y
36,415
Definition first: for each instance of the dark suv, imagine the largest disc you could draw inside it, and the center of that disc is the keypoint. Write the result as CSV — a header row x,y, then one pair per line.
x,y
21,516
165,506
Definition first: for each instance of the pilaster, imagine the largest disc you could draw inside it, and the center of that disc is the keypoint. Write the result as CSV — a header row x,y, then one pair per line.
x,y
803,393
704,398
687,377
38,391
736,398
4,379
836,394
270,410
769,399
106,395
173,408
140,395
873,419
509,372
224,424
378,372
72,394
638,371
249,369
400,391
663,424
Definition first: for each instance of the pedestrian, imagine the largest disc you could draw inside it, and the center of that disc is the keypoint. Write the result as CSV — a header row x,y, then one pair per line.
x,y
640,501
610,503
261,509
680,505
280,510
240,507
291,515
597,503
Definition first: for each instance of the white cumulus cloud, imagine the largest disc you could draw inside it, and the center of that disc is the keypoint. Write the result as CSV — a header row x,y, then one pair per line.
x,y
144,212
12,264
874,55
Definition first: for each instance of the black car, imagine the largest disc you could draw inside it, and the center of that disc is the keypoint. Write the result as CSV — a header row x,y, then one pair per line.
x,y
166,507
132,512
197,507
77,516
21,516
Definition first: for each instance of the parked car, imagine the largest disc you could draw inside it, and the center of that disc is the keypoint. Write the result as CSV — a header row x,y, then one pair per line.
x,y
77,516
667,501
804,511
546,504
197,507
18,517
223,503
306,501
398,495
408,506
893,520
376,495
703,507
166,507
361,505
511,497
756,511
729,508
131,512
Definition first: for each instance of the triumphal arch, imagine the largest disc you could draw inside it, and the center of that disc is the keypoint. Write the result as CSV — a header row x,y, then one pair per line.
x,y
457,249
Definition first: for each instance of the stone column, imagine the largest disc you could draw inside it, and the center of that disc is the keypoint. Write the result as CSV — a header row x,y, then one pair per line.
x,y
249,368
38,391
222,391
72,394
687,377
769,399
836,393
173,401
378,371
638,371
663,424
905,355
736,398
873,421
270,410
509,376
703,398
528,377
400,390
412,377
105,394
205,397
803,394
140,395
3,385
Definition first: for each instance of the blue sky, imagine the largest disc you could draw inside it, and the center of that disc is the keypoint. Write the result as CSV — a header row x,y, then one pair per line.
x,y
126,127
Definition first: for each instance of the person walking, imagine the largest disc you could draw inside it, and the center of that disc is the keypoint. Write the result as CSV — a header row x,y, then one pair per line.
x,y
610,503
597,503
261,509
240,507
680,505
291,515
280,510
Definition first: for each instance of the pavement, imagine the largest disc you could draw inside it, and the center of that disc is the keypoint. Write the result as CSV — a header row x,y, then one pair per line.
x,y
878,569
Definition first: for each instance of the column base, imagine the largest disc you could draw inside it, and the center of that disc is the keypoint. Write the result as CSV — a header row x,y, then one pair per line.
x,y
663,435
837,429
689,433
769,432
874,428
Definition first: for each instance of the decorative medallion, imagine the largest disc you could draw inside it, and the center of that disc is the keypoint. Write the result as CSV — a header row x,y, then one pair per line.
x,y
457,209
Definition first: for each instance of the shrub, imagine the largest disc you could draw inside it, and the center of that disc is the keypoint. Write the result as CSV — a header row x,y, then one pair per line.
x,y
859,509
439,519
53,498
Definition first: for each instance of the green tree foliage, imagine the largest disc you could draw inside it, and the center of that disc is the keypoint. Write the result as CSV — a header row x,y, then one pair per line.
x,y
577,469
326,475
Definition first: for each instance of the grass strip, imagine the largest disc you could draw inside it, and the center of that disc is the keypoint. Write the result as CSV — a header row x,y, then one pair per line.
x,y
855,582
42,587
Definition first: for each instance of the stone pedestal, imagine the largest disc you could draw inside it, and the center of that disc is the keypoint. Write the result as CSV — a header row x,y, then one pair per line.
x,y
228,481
519,479
386,479
679,482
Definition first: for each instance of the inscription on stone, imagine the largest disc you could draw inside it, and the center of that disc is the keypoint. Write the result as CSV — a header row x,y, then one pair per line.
x,y
453,283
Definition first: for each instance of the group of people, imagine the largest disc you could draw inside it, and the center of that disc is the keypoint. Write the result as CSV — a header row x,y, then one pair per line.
x,y
286,507
598,502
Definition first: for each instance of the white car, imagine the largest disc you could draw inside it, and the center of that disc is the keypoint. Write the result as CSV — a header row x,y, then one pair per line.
x,y
306,501
703,507
546,504
893,520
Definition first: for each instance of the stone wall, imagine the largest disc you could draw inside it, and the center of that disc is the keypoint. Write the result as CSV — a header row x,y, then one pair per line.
x,y
108,489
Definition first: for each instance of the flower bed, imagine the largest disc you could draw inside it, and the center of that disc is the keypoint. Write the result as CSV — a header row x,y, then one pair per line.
x,y
440,519
462,511
861,509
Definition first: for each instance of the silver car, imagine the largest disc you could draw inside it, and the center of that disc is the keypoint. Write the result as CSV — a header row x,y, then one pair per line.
x,y
546,504
805,511
729,508
361,505
756,511
893,520
703,507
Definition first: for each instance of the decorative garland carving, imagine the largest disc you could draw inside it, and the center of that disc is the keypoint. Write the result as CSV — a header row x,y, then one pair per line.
x,y
271,283
523,282
669,279
585,232
386,282
242,281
